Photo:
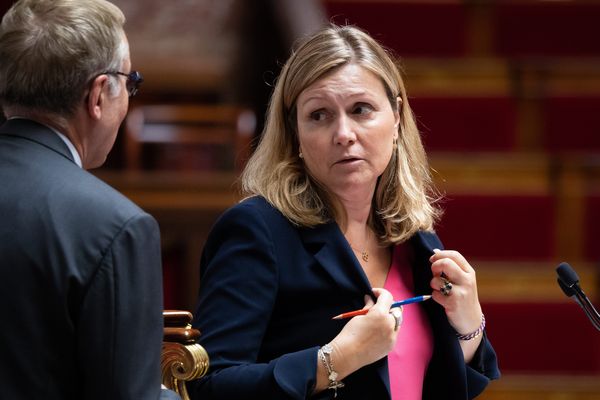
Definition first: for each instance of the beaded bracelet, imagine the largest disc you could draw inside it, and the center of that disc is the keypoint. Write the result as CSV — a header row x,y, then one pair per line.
x,y
474,334
325,356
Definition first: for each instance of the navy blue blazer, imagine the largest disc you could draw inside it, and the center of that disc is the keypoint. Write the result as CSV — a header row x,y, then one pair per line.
x,y
268,291
80,278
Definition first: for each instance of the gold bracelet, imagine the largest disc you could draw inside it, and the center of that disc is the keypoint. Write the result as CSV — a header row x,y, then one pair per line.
x,y
325,356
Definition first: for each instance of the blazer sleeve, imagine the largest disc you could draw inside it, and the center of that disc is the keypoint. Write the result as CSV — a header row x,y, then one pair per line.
x,y
482,368
238,292
120,328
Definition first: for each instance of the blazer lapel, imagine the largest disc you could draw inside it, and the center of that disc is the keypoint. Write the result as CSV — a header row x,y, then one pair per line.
x,y
37,133
423,244
329,247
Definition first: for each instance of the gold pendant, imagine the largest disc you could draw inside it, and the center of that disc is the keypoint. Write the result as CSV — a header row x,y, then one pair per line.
x,y
365,256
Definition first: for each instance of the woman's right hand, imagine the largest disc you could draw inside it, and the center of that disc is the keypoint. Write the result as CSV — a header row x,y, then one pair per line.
x,y
366,338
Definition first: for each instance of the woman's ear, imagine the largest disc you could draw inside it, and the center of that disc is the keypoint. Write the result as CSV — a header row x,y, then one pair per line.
x,y
397,113
96,97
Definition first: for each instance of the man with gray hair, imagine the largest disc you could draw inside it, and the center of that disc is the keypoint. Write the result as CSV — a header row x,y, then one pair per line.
x,y
80,271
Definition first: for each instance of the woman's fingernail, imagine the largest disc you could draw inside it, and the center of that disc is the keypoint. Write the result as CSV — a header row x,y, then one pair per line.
x,y
436,250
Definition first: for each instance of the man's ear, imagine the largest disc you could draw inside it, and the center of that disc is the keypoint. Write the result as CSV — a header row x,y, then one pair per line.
x,y
96,97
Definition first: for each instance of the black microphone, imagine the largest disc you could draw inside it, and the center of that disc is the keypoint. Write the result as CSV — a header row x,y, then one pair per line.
x,y
567,278
569,283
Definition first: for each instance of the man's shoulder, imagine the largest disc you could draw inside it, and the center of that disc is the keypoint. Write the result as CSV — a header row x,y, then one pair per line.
x,y
93,202
104,194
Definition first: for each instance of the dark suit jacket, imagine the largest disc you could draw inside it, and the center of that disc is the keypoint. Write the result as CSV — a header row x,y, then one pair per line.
x,y
80,278
268,292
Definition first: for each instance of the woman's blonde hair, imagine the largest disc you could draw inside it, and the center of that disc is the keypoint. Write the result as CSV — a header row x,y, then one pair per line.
x,y
403,202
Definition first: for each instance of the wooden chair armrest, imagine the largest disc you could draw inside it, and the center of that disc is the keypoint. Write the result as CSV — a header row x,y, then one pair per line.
x,y
182,359
180,335
177,318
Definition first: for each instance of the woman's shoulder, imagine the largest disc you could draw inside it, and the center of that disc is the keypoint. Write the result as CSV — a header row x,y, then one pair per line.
x,y
253,218
254,204
253,208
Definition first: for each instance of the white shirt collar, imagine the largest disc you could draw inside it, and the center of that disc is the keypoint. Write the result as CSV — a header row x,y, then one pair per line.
x,y
65,139
71,147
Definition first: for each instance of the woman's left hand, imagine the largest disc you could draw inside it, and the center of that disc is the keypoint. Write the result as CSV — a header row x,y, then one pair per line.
x,y
461,301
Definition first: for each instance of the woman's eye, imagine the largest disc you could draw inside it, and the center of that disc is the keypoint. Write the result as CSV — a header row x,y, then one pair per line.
x,y
318,115
362,109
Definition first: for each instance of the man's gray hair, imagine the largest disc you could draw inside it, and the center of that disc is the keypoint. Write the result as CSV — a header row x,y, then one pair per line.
x,y
50,50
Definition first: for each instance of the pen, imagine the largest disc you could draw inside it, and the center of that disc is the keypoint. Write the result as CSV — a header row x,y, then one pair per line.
x,y
394,304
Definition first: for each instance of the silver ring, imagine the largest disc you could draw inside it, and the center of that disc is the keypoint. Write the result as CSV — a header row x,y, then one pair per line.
x,y
446,287
397,314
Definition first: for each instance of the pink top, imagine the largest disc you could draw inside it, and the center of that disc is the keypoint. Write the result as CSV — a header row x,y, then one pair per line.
x,y
410,357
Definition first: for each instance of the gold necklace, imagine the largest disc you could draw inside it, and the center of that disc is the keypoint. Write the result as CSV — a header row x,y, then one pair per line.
x,y
364,254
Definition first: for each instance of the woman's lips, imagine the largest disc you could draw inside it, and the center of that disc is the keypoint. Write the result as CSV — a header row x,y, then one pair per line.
x,y
348,161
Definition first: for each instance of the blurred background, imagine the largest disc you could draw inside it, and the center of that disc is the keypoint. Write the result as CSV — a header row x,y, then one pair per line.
x,y
507,97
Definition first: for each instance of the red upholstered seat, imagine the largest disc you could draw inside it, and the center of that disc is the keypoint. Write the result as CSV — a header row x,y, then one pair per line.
x,y
546,28
592,228
466,123
571,123
409,28
499,227
543,337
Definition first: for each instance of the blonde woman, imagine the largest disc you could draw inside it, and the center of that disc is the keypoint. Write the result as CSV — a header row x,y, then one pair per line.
x,y
339,215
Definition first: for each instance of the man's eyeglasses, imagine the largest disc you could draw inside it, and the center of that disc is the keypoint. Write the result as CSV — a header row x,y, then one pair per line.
x,y
134,80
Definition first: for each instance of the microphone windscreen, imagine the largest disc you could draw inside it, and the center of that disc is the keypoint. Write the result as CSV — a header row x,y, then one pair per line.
x,y
567,290
566,274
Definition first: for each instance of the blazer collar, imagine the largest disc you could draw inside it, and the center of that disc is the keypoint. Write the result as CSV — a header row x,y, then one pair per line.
x,y
37,133
331,249
427,241
423,244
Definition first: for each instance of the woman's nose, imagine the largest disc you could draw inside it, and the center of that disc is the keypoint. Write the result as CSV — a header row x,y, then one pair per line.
x,y
344,131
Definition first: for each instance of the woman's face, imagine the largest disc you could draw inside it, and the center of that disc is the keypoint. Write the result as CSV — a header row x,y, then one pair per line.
x,y
346,130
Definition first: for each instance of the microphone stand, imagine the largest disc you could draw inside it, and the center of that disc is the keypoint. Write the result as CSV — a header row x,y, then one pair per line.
x,y
588,307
